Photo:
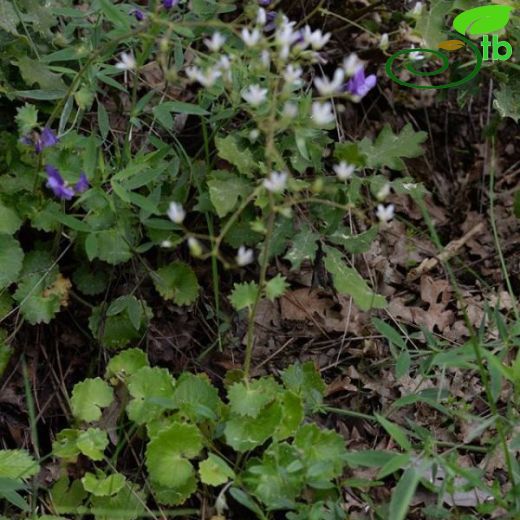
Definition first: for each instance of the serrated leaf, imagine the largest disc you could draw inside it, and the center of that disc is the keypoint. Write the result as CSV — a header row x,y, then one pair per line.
x,y
354,244
304,247
65,445
349,282
275,287
243,295
225,190
126,363
215,471
304,380
177,282
8,18
11,260
103,486
239,156
249,398
26,118
196,397
430,24
34,72
89,397
92,443
128,504
90,281
292,415
151,389
507,101
389,148
17,464
108,245
10,222
244,434
168,454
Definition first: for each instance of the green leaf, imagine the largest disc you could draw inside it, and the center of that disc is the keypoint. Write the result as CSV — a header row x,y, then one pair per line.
x,y
171,448
244,434
292,415
196,397
403,494
89,397
9,491
177,282
90,281
10,222
67,499
103,120
126,363
8,18
304,247
507,101
236,154
243,295
482,20
17,464
249,398
225,190
36,72
115,15
388,148
26,118
151,389
349,282
128,504
304,380
92,443
108,245
11,260
323,452
354,244
65,445
103,486
275,287
396,432
431,23
391,334
214,471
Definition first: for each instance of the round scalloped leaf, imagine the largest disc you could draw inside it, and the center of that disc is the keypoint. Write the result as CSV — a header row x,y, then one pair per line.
x,y
128,504
17,464
249,398
152,392
215,471
92,443
177,496
103,486
11,260
196,397
168,452
10,222
89,397
292,415
65,445
177,282
126,363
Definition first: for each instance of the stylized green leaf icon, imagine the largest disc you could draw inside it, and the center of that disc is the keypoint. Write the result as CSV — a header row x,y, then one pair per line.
x,y
482,20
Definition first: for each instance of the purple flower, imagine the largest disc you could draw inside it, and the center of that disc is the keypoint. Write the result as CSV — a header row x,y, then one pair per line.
x,y
264,3
359,85
271,21
139,15
82,185
46,139
168,4
56,183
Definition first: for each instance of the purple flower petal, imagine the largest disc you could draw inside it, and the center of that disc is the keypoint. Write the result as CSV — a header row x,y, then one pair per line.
x,y
82,185
26,139
264,3
48,138
168,4
359,85
56,183
139,15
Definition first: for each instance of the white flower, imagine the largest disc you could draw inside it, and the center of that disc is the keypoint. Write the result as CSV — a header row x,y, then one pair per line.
x,y
261,16
327,87
322,113
285,34
255,95
344,170
316,39
224,64
408,186
176,212
292,74
244,256
254,135
216,41
385,214
416,56
206,79
166,243
250,38
384,42
290,110
351,64
383,193
127,61
276,182
195,247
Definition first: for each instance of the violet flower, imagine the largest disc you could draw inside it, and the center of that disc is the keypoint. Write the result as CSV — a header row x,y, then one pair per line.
x,y
82,185
168,4
359,85
264,3
139,15
46,139
56,183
